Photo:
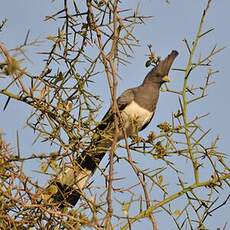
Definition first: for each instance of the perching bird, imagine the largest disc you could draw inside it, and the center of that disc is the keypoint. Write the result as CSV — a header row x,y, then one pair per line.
x,y
137,107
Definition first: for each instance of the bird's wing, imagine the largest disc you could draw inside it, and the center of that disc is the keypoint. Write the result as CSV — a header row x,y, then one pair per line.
x,y
125,99
122,101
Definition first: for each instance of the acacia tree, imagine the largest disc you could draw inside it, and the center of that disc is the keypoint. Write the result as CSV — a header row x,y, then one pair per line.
x,y
94,39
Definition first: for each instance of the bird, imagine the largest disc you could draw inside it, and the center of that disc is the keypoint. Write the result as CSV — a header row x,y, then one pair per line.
x,y
137,107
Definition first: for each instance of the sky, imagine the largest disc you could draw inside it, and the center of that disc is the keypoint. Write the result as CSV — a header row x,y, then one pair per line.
x,y
165,31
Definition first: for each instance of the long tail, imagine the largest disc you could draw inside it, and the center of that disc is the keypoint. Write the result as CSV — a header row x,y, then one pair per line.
x,y
72,181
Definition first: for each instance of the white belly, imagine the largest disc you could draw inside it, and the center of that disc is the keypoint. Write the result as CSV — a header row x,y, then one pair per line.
x,y
136,116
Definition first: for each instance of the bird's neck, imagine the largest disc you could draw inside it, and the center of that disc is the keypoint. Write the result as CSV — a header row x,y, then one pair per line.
x,y
148,83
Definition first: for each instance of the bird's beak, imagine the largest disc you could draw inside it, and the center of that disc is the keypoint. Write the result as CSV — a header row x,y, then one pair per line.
x,y
166,78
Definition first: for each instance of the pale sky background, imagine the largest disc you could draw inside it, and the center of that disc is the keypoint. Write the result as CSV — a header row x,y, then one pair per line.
x,y
170,25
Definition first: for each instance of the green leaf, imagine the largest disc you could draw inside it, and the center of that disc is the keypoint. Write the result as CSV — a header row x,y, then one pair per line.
x,y
44,167
125,208
160,180
177,213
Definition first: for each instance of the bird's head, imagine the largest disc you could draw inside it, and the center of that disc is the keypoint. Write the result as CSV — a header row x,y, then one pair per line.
x,y
159,74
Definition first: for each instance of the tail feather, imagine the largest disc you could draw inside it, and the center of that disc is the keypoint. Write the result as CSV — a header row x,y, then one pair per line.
x,y
70,185
73,180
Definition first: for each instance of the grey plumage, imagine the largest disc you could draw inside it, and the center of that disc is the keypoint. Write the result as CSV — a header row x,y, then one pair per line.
x,y
136,105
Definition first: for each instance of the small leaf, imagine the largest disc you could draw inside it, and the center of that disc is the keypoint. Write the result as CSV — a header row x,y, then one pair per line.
x,y
13,65
45,197
177,213
52,189
43,92
69,106
148,63
59,77
44,167
60,106
54,166
160,180
125,208
52,38
165,126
